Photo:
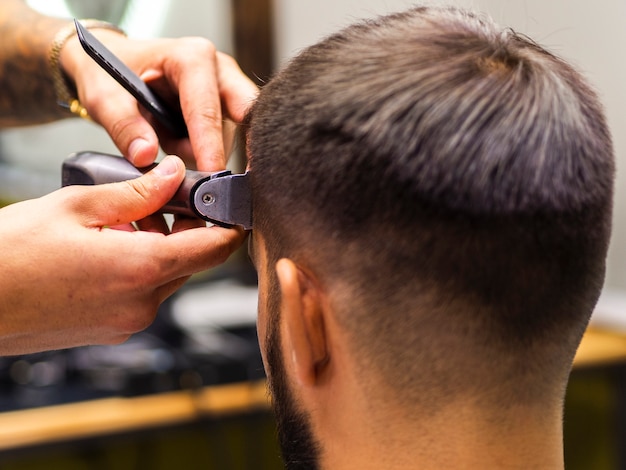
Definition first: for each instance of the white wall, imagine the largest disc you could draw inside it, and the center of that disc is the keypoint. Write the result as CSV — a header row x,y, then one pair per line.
x,y
591,35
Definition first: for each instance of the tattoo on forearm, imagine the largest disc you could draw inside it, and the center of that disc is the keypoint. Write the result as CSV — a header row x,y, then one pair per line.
x,y
27,93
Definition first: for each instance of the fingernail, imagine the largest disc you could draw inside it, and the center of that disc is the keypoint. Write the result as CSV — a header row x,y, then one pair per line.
x,y
168,166
135,148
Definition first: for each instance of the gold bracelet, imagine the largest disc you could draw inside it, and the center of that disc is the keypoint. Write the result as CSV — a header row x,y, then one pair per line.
x,y
62,84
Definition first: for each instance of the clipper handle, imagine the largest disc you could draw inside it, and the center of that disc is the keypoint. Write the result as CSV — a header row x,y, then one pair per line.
x,y
89,168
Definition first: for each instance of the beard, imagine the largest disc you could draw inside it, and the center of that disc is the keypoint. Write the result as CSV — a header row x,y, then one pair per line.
x,y
300,451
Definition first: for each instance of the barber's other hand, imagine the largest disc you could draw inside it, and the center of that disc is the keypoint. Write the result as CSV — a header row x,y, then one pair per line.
x,y
68,280
208,85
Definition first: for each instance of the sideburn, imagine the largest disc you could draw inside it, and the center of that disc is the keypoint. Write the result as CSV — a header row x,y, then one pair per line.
x,y
300,451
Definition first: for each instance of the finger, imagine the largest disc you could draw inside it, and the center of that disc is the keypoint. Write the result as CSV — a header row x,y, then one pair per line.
x,y
107,102
229,134
169,143
195,77
237,90
128,201
186,223
124,228
153,223
114,109
197,249
179,147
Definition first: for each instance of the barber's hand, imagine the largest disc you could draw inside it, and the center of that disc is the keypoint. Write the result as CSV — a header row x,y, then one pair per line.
x,y
208,85
68,280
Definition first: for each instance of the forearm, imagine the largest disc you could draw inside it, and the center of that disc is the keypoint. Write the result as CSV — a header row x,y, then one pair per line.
x,y
27,94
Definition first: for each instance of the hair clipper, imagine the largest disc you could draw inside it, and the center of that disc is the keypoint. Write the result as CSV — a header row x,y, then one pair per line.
x,y
221,198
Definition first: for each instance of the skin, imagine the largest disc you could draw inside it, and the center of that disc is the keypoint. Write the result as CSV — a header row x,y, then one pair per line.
x,y
209,86
67,279
81,283
334,399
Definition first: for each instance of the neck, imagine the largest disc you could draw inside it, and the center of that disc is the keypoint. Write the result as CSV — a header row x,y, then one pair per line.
x,y
356,435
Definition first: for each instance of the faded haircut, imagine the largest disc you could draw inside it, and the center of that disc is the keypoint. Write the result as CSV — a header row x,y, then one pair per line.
x,y
450,184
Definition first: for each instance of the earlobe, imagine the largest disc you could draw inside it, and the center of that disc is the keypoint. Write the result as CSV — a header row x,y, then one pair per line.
x,y
302,315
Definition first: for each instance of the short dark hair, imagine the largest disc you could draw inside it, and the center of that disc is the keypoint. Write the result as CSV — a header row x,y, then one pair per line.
x,y
450,182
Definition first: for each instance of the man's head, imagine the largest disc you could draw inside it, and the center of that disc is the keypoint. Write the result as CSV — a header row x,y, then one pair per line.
x,y
445,187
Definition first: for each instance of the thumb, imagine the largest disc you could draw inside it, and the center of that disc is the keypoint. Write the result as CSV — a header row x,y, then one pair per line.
x,y
128,201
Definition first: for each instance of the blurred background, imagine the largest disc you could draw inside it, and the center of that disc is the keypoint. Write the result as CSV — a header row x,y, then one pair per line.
x,y
188,392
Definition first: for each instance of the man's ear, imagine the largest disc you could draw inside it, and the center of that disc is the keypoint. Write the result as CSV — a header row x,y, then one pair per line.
x,y
302,318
